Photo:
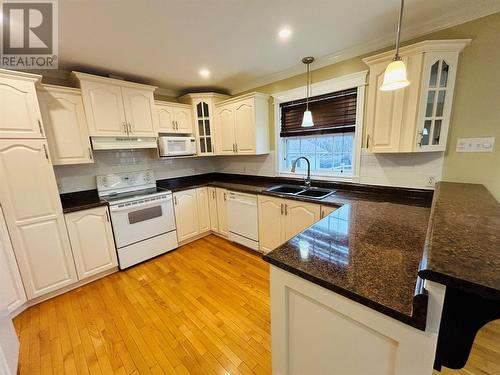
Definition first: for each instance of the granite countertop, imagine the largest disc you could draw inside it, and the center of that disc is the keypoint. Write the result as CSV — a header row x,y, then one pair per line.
x,y
80,200
462,247
367,251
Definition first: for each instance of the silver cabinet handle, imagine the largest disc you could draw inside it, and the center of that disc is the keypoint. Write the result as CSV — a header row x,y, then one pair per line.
x,y
40,126
175,201
129,128
90,154
45,151
286,209
213,194
225,196
282,208
236,147
125,127
176,125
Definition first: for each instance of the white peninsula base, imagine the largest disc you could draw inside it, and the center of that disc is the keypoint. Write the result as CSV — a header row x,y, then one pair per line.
x,y
316,331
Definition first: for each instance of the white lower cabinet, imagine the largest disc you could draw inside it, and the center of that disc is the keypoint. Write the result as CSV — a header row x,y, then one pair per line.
x,y
222,211
327,210
203,209
212,203
92,241
281,219
11,285
186,214
33,213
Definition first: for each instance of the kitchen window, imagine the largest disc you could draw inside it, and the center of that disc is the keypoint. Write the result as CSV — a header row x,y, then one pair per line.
x,y
329,144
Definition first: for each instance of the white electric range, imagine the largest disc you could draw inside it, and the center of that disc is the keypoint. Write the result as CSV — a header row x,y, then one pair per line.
x,y
142,215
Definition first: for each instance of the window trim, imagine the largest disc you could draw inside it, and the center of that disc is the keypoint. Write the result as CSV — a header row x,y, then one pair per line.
x,y
354,80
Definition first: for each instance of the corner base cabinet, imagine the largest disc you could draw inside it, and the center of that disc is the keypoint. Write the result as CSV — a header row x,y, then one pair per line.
x,y
281,219
92,241
416,118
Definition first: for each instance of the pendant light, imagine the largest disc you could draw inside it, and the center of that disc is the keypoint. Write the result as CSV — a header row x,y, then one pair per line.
x,y
307,120
395,73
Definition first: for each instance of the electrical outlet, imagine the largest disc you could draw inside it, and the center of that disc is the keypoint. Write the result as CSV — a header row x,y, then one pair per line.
x,y
431,181
484,144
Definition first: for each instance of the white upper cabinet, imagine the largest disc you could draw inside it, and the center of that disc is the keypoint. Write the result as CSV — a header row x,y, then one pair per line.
x,y
139,104
20,114
116,108
11,285
92,241
33,213
204,124
66,125
416,118
242,125
173,118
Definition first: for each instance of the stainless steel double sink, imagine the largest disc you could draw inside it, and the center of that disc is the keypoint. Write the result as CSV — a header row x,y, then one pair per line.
x,y
301,191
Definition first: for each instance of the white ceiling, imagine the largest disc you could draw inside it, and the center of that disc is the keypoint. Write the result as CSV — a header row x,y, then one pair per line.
x,y
166,42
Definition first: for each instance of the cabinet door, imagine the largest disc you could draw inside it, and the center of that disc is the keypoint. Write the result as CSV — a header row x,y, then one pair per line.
x,y
244,125
183,120
271,211
165,118
138,105
92,241
186,214
11,285
225,130
326,210
66,126
20,113
104,109
212,202
203,209
438,83
384,113
204,126
299,216
33,213
222,211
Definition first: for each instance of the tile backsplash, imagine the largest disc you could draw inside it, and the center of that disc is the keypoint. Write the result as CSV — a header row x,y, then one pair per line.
x,y
405,170
82,176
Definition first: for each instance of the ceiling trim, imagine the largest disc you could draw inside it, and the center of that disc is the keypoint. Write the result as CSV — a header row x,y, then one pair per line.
x,y
448,20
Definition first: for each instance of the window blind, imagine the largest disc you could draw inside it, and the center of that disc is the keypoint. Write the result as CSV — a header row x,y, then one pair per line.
x,y
332,113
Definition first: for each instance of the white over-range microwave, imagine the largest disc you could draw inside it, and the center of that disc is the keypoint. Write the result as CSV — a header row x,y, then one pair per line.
x,y
176,146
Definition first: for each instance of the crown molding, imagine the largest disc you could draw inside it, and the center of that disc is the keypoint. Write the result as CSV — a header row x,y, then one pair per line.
x,y
450,19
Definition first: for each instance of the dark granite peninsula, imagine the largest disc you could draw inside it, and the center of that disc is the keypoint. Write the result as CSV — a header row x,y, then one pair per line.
x,y
437,270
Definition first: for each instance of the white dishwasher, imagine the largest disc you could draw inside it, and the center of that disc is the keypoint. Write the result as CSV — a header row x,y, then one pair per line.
x,y
243,220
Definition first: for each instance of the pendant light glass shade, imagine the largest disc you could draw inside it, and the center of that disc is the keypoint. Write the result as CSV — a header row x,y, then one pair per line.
x,y
395,76
307,120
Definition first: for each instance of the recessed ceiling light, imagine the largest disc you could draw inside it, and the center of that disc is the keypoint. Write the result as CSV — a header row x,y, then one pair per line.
x,y
205,73
285,33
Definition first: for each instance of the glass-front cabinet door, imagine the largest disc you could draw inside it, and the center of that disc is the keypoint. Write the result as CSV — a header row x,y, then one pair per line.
x,y
204,127
435,107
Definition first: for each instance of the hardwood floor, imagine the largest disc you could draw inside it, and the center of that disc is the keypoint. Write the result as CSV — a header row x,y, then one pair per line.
x,y
201,309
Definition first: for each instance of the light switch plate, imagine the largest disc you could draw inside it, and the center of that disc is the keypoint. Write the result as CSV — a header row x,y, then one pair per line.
x,y
475,144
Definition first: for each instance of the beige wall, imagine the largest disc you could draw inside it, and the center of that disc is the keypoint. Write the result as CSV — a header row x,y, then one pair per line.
x,y
476,107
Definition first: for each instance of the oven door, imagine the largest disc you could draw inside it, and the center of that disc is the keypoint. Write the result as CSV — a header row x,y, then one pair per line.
x,y
138,222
